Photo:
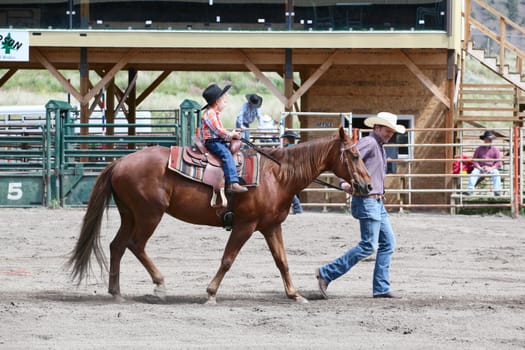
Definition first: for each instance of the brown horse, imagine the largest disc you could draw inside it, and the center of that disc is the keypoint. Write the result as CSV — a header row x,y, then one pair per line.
x,y
144,189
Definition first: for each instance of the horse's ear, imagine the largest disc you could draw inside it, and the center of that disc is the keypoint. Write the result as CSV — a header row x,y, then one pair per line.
x,y
342,133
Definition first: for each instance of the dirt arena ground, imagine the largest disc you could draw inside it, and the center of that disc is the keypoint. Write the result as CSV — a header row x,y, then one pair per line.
x,y
462,278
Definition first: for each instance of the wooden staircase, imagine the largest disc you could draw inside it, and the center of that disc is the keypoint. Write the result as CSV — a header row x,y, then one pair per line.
x,y
482,103
479,104
516,78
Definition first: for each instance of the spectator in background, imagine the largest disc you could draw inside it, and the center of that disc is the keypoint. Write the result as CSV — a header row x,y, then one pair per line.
x,y
249,111
288,139
486,160
268,129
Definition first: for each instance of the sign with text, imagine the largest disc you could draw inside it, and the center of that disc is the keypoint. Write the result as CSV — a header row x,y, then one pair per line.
x,y
14,45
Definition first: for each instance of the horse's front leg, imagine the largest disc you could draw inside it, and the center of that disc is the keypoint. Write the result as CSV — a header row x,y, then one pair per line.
x,y
233,246
274,239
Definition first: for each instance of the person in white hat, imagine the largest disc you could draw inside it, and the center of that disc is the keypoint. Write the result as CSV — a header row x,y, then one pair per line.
x,y
249,111
376,232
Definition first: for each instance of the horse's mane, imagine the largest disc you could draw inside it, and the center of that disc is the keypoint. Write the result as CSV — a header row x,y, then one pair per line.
x,y
301,161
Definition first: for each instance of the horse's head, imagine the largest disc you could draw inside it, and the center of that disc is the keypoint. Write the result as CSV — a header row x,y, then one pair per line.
x,y
350,166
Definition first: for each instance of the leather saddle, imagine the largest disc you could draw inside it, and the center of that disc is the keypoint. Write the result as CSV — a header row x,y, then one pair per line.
x,y
198,156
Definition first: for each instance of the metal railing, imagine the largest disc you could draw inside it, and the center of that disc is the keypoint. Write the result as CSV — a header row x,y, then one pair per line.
x,y
424,179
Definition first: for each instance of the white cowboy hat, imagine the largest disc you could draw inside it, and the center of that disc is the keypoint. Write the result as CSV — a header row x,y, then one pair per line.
x,y
385,119
267,118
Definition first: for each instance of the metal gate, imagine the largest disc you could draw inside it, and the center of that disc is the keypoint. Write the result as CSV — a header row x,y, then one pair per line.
x,y
54,160
23,166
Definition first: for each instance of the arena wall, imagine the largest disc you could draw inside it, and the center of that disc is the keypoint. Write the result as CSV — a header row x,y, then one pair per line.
x,y
368,89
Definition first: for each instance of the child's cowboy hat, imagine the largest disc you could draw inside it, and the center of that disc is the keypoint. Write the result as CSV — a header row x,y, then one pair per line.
x,y
212,93
385,119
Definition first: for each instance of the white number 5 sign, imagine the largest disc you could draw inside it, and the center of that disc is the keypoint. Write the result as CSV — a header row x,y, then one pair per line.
x,y
14,191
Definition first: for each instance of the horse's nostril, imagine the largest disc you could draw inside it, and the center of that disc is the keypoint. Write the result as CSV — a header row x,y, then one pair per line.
x,y
369,187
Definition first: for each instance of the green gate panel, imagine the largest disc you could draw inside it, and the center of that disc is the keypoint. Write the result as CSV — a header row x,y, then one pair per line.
x,y
77,189
21,191
190,112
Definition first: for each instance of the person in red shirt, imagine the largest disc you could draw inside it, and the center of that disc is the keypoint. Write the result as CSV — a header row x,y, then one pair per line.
x,y
216,137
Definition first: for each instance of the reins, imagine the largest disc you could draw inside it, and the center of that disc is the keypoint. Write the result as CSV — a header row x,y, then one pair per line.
x,y
324,183
317,181
258,150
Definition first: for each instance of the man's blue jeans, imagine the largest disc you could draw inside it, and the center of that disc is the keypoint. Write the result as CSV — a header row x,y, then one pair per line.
x,y
376,235
475,174
220,149
296,205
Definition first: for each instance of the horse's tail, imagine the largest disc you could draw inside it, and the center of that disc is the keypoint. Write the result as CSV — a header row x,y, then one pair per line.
x,y
89,239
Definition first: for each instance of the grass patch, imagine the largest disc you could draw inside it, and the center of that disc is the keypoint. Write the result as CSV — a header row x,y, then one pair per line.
x,y
37,87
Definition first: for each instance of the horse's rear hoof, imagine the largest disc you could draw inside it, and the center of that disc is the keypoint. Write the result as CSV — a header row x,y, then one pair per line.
x,y
117,298
211,301
301,300
160,292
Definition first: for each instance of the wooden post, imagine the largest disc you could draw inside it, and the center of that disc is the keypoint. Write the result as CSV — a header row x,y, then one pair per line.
x,y
516,200
110,112
503,39
84,89
288,85
132,104
449,113
84,13
468,9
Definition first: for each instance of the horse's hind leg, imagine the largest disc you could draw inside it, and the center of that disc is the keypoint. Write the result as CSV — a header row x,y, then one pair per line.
x,y
130,236
234,245
137,245
117,249
275,242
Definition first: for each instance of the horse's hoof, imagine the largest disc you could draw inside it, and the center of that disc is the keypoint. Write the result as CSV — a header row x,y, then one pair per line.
x,y
211,301
301,300
117,298
160,292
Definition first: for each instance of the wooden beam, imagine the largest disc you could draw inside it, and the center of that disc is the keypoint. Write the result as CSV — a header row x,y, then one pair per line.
x,y
117,93
253,68
127,92
61,79
109,75
7,76
96,102
153,86
429,84
313,78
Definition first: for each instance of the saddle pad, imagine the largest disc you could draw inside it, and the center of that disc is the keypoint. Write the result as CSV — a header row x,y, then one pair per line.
x,y
248,172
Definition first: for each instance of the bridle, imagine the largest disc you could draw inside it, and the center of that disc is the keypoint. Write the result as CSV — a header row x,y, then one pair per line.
x,y
351,148
344,159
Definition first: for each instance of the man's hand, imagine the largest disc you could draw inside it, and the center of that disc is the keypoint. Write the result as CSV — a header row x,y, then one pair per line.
x,y
486,169
345,186
236,135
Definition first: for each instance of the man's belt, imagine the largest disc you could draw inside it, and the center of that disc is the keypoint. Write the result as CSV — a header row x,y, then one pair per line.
x,y
373,196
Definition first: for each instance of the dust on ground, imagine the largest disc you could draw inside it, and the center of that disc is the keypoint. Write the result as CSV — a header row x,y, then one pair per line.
x,y
462,280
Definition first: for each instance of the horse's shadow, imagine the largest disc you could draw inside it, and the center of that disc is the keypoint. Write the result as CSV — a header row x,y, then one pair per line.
x,y
230,299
